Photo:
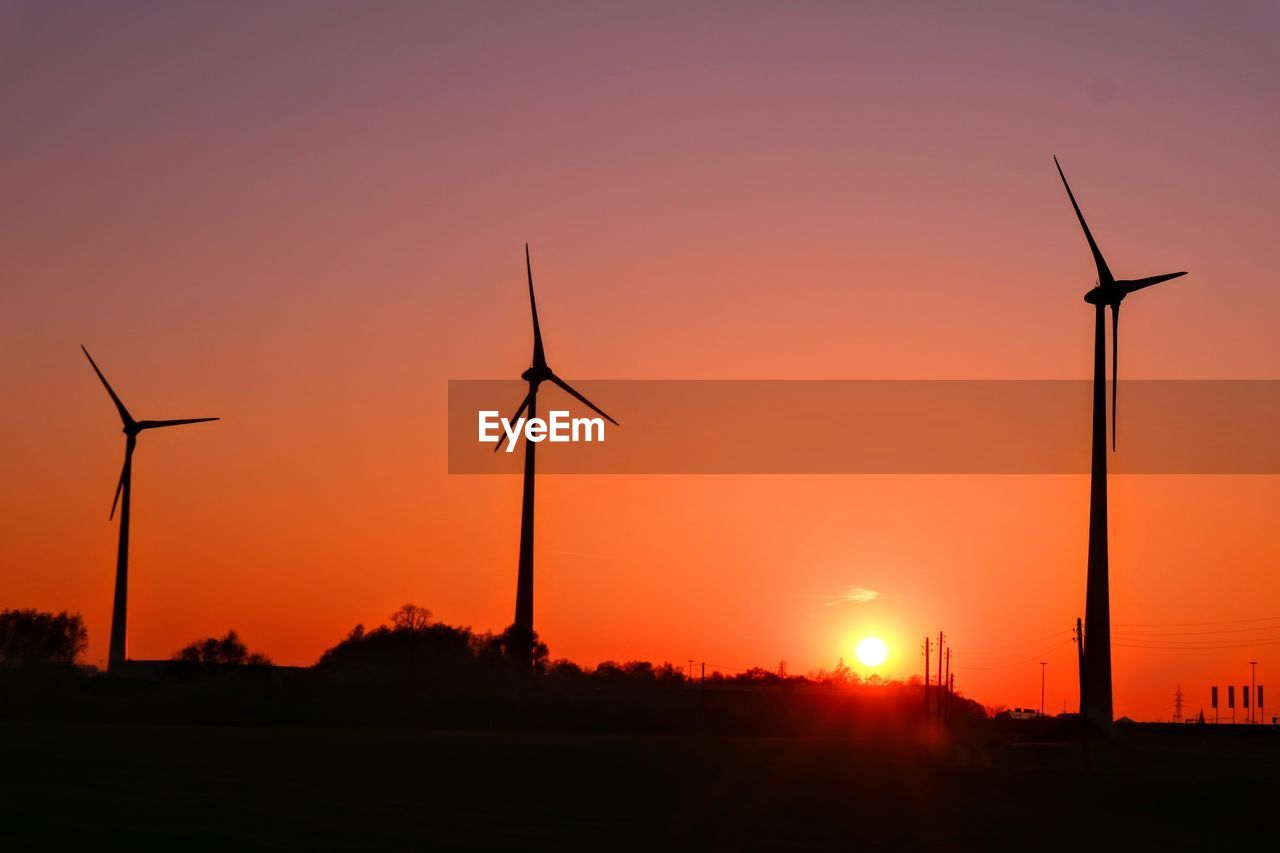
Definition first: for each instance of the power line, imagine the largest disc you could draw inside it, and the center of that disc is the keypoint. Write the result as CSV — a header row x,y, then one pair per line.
x,y
1055,634
1194,624
1039,654
1191,646
993,660
1196,633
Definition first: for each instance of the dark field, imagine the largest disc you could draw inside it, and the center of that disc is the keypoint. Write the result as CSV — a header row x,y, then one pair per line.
x,y
176,787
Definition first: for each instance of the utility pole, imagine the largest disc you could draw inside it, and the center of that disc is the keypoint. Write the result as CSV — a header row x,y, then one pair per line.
x,y
951,692
941,686
946,683
690,670
1253,680
1084,694
926,679
1043,664
1177,705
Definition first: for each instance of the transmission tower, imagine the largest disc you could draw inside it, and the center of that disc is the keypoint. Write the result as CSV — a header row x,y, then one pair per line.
x,y
1177,704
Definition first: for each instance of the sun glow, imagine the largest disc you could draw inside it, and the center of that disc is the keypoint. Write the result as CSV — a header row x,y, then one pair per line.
x,y
872,652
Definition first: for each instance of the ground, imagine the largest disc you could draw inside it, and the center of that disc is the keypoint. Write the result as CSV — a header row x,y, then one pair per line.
x,y
145,787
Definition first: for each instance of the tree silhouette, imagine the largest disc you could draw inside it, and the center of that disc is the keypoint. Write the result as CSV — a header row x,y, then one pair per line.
x,y
221,650
841,676
412,641
34,638
411,617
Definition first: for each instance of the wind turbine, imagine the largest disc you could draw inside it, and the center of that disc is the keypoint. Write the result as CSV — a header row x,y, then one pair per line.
x,y
119,608
537,373
1109,292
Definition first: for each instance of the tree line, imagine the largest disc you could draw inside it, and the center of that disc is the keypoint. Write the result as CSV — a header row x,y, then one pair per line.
x,y
415,670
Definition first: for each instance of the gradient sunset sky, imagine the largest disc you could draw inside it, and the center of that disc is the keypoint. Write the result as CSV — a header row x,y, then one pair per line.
x,y
306,217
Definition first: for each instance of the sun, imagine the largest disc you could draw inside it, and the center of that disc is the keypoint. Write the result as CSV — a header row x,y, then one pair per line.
x,y
872,651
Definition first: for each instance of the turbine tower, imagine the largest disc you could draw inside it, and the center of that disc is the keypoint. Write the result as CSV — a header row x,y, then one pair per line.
x,y
1107,293
116,656
537,373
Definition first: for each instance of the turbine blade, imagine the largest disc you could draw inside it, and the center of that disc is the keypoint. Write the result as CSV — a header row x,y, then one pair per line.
x,y
116,499
179,422
520,411
539,357
128,457
1138,284
1115,367
1104,273
124,413
582,399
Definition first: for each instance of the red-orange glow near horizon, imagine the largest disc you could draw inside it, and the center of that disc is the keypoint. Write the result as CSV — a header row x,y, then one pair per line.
x,y
307,222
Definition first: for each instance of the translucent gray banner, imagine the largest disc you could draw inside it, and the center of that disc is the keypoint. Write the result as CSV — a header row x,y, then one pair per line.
x,y
877,427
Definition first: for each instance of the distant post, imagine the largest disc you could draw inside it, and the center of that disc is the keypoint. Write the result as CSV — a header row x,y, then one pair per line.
x,y
1253,679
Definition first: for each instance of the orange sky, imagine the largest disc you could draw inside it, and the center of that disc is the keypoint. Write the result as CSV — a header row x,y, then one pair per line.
x,y
306,220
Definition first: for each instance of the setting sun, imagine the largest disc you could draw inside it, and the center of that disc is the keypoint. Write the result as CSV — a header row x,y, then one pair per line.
x,y
872,652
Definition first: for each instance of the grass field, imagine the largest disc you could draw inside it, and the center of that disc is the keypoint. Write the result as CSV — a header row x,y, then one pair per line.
x,y
88,786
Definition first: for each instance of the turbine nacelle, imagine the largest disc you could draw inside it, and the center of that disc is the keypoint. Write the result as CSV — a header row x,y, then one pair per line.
x,y
1105,294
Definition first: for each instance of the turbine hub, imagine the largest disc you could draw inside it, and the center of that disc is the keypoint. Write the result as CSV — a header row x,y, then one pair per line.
x,y
535,374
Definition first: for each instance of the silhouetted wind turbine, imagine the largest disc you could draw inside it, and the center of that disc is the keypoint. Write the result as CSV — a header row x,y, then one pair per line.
x,y
537,373
1107,293
119,608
